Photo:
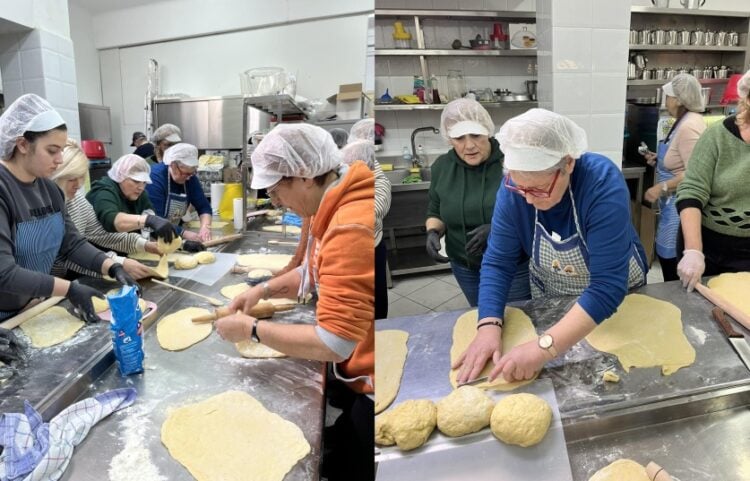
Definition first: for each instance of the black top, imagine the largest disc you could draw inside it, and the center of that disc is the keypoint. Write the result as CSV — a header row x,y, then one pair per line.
x,y
145,150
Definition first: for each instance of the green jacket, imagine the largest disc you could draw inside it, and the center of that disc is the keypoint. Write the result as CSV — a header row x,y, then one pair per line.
x,y
106,197
151,159
463,197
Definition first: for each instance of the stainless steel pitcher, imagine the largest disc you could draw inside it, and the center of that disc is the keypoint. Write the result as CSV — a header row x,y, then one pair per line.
x,y
669,73
634,37
644,37
659,37
683,37
692,3
709,38
734,39
721,38
696,38
671,37
631,71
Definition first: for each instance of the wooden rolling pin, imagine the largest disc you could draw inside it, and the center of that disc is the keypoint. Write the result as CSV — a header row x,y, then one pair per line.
x,y
262,310
657,473
716,298
222,240
214,301
30,312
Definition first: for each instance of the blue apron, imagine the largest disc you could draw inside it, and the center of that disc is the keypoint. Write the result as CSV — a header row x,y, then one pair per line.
x,y
669,219
559,267
175,205
37,245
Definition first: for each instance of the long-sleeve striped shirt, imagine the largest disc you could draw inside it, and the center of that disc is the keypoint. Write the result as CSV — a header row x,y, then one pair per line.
x,y
382,199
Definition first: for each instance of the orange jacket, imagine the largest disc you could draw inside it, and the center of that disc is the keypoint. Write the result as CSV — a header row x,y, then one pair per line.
x,y
344,231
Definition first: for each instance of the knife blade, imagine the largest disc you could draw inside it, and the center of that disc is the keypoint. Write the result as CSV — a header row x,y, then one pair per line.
x,y
473,382
736,339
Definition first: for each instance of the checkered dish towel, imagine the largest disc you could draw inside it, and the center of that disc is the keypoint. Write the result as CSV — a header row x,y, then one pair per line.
x,y
37,451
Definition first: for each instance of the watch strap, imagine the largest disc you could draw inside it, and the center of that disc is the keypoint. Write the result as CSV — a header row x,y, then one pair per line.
x,y
254,332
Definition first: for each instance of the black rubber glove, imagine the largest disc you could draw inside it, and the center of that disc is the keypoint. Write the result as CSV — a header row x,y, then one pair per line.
x,y
433,246
161,228
10,348
80,296
478,242
192,246
118,273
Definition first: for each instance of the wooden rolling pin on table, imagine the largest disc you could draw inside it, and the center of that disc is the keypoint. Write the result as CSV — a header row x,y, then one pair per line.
x,y
719,301
262,310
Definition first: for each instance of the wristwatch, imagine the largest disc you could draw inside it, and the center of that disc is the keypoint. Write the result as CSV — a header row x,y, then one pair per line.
x,y
266,291
254,332
547,343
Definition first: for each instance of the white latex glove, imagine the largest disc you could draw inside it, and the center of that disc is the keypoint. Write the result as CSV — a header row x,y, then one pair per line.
x,y
691,267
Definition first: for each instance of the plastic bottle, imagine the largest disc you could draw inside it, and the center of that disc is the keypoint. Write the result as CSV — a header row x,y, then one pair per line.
x,y
434,88
421,156
406,156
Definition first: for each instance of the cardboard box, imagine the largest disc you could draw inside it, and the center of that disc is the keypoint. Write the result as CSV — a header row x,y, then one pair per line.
x,y
350,101
522,36
232,175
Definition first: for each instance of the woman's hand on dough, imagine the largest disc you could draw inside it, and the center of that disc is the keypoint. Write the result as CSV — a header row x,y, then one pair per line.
x,y
136,269
235,327
247,300
522,362
487,344
190,235
205,233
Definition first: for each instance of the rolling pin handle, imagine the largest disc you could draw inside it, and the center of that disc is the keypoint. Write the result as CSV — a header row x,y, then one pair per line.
x,y
657,473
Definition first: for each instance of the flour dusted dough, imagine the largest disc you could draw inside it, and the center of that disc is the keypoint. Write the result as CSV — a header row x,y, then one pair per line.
x,y
230,292
517,329
233,437
205,257
259,274
408,425
290,229
644,332
255,350
168,248
272,262
176,331
521,419
463,411
733,287
390,356
621,470
51,327
185,263
100,305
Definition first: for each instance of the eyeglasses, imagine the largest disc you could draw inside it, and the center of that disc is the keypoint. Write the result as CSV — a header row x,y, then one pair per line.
x,y
186,173
270,190
539,193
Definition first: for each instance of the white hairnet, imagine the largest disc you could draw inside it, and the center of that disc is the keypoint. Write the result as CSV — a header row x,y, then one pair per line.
x,y
687,90
363,130
130,166
28,113
169,132
538,139
363,150
340,136
743,86
186,154
464,110
293,150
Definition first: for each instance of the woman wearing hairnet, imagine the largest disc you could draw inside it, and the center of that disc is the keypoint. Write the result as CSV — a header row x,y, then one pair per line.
x,y
340,137
120,201
714,198
70,176
174,187
684,103
570,211
301,168
462,196
163,138
35,228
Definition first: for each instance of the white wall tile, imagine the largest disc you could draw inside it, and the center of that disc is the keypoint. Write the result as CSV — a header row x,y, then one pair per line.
x,y
31,63
34,86
51,63
475,66
67,70
12,89
65,47
69,95
606,132
614,156
30,40
404,66
71,120
470,4
612,13
445,4
10,65
609,50
54,94
497,5
381,84
382,66
584,122
450,63
608,92
10,42
401,85
572,93
571,50
571,13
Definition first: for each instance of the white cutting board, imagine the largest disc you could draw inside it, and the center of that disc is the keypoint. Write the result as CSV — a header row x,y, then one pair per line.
x,y
481,456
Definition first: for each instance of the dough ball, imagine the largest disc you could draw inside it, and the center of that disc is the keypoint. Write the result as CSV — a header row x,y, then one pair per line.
x,y
408,425
168,247
259,274
465,410
185,262
521,419
621,470
610,376
205,257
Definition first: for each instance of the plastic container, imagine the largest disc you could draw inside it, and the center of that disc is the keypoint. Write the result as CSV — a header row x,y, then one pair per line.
x,y
226,207
263,81
401,38
456,85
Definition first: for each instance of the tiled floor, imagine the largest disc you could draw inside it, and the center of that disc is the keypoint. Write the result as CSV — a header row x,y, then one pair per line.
x,y
421,294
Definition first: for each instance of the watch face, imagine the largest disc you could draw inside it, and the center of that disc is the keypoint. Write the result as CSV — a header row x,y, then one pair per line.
x,y
545,341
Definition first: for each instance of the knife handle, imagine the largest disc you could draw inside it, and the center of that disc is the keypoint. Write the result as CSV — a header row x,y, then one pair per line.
x,y
721,319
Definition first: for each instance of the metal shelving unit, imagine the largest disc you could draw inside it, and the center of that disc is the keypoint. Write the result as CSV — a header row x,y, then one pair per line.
x,y
396,52
705,81
689,11
487,105
462,14
687,48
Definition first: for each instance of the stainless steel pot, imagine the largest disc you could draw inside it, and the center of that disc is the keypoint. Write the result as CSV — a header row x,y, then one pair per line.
x,y
692,3
646,74
631,71
658,74
696,37
708,72
683,37
709,38
640,61
671,37
634,37
644,37
722,72
659,37
721,38
697,73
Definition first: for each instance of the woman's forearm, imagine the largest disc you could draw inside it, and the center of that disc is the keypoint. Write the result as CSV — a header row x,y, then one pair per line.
x,y
569,330
690,219
129,222
433,223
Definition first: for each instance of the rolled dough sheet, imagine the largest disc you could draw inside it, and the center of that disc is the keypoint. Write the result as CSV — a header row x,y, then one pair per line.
x,y
390,356
734,287
196,224
621,470
230,292
290,229
233,437
517,329
147,256
176,331
255,350
644,332
51,327
272,262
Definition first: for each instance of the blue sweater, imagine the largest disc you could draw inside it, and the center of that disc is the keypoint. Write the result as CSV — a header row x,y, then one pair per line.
x,y
157,191
603,205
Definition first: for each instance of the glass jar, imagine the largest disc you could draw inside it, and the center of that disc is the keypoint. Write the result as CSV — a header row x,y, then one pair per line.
x,y
456,85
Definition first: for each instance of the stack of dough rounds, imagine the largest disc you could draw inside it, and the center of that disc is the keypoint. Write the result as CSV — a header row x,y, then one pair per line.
x,y
621,470
185,262
205,257
521,419
408,425
466,410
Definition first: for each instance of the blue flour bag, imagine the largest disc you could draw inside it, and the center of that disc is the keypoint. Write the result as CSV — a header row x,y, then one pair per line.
x,y
125,327
290,218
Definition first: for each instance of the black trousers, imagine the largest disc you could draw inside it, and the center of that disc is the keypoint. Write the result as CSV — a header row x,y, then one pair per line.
x,y
724,253
668,268
381,287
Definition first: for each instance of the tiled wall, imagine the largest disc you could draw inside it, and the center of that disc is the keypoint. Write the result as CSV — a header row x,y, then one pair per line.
x,y
43,63
583,55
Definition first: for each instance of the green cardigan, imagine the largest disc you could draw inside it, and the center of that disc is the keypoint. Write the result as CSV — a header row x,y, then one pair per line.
x,y
463,198
108,201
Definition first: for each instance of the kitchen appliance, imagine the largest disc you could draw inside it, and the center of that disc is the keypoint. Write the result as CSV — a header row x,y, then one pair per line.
x,y
683,38
671,37
660,3
692,3
99,163
531,88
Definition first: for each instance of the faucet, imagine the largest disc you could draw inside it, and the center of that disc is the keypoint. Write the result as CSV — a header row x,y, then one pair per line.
x,y
415,159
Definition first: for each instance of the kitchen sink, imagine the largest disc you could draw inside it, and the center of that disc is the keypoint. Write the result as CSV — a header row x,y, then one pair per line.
x,y
398,175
